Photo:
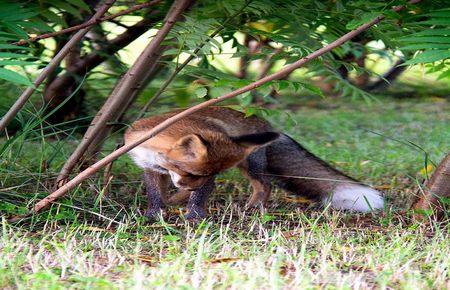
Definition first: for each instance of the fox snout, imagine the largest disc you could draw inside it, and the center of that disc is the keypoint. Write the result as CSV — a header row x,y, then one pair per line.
x,y
190,183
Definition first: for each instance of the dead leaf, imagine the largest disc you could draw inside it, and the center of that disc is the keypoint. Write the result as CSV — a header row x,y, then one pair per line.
x,y
147,259
290,234
426,170
223,260
383,186
95,229
297,199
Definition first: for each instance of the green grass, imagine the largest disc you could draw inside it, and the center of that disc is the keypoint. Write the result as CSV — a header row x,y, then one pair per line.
x,y
91,241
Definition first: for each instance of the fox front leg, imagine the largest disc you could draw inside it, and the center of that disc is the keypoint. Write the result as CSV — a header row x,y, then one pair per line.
x,y
198,200
254,169
156,185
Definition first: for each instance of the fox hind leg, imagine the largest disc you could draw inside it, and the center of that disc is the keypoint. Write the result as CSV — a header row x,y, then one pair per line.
x,y
254,169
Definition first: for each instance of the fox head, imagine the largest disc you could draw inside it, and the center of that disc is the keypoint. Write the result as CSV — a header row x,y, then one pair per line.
x,y
195,158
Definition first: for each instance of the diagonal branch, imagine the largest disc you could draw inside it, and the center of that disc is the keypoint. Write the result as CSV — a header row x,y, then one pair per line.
x,y
87,24
51,66
100,137
268,63
151,133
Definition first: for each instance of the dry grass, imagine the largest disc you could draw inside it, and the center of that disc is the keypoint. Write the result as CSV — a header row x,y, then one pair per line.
x,y
94,242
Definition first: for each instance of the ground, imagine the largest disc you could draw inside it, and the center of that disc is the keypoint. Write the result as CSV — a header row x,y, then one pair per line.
x,y
97,239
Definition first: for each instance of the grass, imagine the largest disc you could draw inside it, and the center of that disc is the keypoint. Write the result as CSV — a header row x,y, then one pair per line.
x,y
91,241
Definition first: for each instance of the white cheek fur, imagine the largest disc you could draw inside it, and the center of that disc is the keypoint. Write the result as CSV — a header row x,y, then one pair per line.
x,y
175,177
146,158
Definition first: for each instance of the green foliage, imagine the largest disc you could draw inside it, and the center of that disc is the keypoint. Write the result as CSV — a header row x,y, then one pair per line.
x,y
432,43
191,34
298,27
19,19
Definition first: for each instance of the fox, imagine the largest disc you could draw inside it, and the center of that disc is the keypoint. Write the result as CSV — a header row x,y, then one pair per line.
x,y
192,151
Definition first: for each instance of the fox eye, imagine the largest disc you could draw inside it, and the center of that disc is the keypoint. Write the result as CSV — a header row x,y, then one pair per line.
x,y
190,175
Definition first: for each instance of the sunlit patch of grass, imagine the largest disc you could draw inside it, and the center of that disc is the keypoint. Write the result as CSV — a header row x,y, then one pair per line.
x,y
386,143
91,241
234,250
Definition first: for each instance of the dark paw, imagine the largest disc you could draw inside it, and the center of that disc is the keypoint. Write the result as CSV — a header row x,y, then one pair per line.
x,y
154,215
195,215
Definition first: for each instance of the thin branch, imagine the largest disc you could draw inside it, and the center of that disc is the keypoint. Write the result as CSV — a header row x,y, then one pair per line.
x,y
164,86
51,66
86,24
93,59
151,133
268,63
130,82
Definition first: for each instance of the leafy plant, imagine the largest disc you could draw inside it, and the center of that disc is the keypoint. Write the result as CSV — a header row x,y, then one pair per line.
x,y
19,20
431,46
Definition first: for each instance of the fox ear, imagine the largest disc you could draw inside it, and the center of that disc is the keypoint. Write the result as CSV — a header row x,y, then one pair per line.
x,y
188,148
254,141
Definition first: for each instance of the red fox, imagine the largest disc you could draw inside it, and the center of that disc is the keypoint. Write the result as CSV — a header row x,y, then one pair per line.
x,y
195,149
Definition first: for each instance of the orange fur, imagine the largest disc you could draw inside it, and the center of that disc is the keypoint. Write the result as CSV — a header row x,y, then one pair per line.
x,y
201,145
193,150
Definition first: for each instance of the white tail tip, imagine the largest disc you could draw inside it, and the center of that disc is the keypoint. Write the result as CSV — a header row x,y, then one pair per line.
x,y
355,197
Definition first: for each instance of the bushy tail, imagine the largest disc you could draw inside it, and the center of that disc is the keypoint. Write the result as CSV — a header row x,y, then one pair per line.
x,y
300,172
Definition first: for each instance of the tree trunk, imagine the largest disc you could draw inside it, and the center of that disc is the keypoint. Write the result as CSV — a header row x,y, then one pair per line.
x,y
48,70
71,107
243,61
96,144
128,86
61,87
434,189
